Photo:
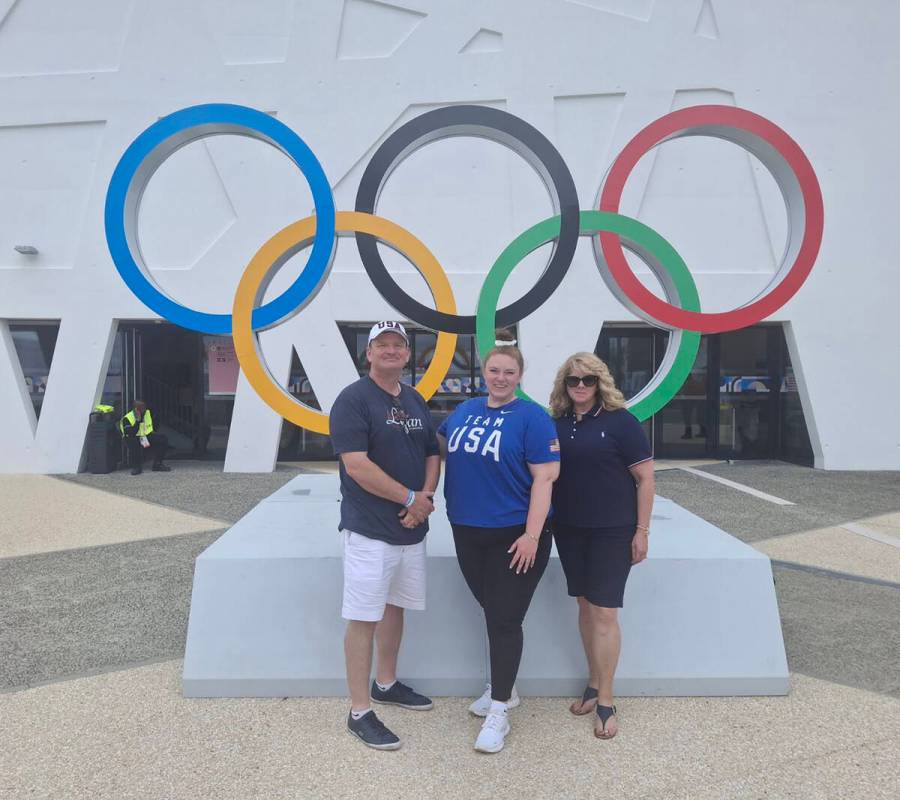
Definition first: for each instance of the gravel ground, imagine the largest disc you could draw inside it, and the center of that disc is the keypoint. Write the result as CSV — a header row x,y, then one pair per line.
x,y
198,487
823,499
841,630
96,608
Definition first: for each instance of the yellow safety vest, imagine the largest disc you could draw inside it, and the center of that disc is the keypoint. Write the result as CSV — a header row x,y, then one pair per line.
x,y
145,428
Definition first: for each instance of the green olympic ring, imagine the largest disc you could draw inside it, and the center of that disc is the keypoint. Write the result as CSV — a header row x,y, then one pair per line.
x,y
650,247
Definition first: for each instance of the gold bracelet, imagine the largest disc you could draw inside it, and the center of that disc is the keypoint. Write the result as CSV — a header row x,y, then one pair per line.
x,y
642,528
533,538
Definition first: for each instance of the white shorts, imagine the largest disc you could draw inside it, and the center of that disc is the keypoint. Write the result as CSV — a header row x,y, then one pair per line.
x,y
377,573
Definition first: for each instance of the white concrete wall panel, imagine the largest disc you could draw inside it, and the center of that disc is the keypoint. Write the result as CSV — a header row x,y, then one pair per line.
x,y
79,81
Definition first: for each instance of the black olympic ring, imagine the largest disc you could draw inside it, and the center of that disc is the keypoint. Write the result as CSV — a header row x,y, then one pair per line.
x,y
503,128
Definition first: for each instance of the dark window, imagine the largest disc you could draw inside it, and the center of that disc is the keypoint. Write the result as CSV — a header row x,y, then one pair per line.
x,y
740,400
747,387
631,355
299,444
220,378
794,444
683,427
35,343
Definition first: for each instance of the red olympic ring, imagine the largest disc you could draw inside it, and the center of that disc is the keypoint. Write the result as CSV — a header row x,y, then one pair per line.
x,y
767,140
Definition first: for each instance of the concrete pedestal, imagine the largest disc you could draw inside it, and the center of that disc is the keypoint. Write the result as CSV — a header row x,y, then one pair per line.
x,y
700,614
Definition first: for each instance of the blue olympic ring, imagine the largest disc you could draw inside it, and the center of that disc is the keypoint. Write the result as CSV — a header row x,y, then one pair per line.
x,y
147,153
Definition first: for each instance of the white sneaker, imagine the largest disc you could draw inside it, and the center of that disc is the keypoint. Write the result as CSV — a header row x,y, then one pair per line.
x,y
493,732
482,706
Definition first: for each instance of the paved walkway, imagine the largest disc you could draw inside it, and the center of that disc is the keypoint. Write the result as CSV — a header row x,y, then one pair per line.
x,y
130,735
95,575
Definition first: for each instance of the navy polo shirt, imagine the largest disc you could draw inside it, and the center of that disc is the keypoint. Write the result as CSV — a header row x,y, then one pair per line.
x,y
595,488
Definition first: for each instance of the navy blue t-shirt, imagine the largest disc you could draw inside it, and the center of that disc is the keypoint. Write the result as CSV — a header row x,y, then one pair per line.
x,y
595,488
397,434
487,483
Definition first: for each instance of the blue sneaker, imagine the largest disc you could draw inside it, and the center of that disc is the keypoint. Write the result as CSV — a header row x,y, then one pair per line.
x,y
401,695
372,731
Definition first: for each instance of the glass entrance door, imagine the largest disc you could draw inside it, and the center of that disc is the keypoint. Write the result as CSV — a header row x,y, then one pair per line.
x,y
685,428
631,355
748,393
132,368
740,400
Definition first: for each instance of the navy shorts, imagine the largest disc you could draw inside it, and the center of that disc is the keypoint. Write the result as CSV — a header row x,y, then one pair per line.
x,y
596,562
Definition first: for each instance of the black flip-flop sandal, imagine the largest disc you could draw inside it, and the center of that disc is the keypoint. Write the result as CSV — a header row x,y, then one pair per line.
x,y
604,713
590,693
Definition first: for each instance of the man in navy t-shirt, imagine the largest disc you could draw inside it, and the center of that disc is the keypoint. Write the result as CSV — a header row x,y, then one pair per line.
x,y
389,468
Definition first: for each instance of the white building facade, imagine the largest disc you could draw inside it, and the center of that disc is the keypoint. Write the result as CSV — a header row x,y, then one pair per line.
x,y
80,81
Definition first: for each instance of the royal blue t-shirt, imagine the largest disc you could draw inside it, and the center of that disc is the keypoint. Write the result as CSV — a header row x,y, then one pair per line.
x,y
595,488
487,483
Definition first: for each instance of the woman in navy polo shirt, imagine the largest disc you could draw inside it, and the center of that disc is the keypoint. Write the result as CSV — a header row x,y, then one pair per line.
x,y
602,503
502,458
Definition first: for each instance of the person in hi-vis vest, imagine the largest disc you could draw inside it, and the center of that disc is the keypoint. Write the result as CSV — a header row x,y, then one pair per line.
x,y
137,429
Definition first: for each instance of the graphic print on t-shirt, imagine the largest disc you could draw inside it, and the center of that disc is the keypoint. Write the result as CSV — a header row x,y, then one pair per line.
x,y
399,416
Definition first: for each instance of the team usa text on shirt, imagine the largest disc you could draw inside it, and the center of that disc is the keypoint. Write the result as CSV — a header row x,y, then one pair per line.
x,y
481,433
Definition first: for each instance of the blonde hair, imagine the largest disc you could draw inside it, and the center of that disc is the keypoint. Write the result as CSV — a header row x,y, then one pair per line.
x,y
501,337
610,397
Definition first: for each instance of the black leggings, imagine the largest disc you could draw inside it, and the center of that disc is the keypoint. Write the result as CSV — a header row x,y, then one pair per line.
x,y
503,594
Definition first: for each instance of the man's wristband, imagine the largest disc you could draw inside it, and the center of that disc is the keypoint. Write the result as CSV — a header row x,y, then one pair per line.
x,y
410,498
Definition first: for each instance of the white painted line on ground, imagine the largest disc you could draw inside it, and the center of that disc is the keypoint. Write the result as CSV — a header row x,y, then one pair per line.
x,y
877,536
739,486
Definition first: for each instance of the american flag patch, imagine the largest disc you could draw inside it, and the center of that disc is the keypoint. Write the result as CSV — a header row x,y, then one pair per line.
x,y
554,445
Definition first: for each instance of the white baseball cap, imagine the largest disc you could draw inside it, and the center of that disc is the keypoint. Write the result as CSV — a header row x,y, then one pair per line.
x,y
387,326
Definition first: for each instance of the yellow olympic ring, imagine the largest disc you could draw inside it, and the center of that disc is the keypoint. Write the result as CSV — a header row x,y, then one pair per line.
x,y
290,240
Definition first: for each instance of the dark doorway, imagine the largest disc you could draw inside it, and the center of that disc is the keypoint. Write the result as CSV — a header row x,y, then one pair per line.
x,y
740,400
161,364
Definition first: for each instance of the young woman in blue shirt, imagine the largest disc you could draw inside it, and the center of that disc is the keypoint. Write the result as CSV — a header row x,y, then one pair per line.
x,y
502,458
602,503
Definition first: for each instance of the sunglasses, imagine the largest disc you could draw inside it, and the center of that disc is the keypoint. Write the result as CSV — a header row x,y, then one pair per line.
x,y
588,380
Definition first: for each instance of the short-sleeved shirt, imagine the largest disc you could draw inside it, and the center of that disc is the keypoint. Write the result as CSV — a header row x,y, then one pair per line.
x,y
487,483
595,488
397,434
